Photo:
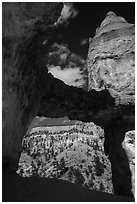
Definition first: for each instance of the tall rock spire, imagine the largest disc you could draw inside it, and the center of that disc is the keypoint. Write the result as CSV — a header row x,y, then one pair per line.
x,y
112,21
111,66
111,58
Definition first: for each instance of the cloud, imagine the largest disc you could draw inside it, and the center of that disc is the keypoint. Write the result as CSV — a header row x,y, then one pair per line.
x,y
60,55
66,66
69,76
67,13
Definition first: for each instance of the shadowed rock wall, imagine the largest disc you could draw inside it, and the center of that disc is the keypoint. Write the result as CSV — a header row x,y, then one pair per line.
x,y
29,90
22,73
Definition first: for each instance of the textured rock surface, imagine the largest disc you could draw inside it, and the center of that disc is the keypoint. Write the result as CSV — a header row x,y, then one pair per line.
x,y
27,86
74,153
111,67
129,146
22,74
111,59
28,89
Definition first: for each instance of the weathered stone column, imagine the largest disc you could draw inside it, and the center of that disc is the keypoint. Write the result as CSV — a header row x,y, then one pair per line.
x,y
111,67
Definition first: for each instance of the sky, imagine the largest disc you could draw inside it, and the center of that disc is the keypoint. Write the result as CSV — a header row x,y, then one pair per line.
x,y
65,65
89,17
76,24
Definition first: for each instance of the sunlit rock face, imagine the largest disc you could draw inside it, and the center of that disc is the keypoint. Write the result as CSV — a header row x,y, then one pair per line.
x,y
129,146
72,152
111,67
111,63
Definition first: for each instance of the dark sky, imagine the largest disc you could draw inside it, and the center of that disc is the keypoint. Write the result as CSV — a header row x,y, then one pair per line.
x,y
90,16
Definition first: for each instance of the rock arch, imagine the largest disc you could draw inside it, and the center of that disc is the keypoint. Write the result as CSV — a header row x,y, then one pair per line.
x,y
27,89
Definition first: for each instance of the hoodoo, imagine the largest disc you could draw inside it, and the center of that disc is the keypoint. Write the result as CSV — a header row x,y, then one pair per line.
x,y
29,90
111,66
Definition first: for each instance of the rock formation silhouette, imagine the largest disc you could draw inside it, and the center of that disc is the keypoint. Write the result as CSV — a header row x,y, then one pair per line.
x,y
29,90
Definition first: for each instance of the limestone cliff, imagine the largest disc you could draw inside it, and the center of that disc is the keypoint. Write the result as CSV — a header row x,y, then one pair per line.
x,y
74,153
